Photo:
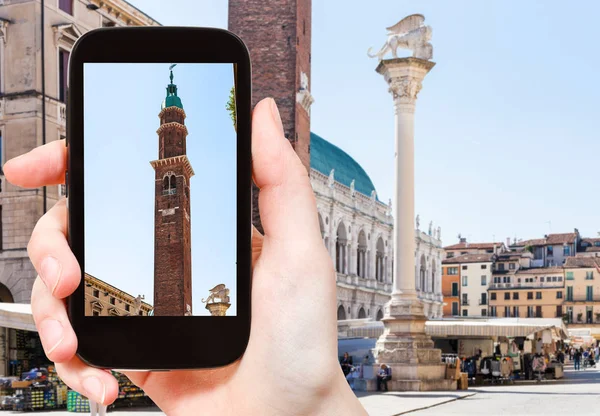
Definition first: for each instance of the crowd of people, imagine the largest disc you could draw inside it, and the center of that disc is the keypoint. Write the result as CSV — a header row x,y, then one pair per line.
x,y
589,356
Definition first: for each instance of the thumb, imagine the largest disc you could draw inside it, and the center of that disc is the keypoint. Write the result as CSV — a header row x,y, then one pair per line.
x,y
287,204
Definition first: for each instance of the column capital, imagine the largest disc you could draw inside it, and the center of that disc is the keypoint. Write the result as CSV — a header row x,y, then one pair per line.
x,y
404,77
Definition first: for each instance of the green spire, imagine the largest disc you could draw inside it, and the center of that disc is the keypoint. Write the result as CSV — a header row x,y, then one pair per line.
x,y
171,100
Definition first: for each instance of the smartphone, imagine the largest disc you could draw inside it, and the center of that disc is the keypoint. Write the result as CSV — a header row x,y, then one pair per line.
x,y
159,193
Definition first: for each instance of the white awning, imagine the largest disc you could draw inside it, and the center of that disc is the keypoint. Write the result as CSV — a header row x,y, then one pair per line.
x,y
17,316
466,328
492,328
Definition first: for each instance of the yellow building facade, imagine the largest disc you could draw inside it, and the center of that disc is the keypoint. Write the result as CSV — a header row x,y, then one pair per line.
x,y
102,299
582,290
529,293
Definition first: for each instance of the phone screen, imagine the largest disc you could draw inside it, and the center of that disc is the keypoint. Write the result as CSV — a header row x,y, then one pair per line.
x,y
160,189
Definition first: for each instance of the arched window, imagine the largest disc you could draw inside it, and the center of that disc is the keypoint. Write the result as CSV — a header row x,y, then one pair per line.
x,y
173,185
379,315
169,184
361,255
341,313
422,272
433,273
341,249
361,313
5,294
379,266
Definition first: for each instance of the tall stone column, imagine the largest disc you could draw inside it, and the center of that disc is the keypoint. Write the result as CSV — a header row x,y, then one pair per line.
x,y
404,345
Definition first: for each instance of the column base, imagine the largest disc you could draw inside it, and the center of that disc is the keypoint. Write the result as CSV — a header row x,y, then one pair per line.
x,y
364,384
408,350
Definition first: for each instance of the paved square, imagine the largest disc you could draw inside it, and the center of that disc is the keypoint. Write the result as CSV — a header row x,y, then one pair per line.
x,y
577,393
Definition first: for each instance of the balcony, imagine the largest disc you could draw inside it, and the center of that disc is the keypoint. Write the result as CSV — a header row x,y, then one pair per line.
x,y
483,301
582,299
447,294
532,285
465,302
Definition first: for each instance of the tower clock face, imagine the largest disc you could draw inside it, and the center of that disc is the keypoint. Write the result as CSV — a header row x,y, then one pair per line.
x,y
175,249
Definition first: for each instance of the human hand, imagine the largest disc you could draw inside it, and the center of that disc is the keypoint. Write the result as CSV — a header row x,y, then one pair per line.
x,y
293,298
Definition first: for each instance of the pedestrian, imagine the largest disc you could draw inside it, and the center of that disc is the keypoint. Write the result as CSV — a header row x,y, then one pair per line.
x,y
346,363
383,376
577,359
97,409
571,353
597,353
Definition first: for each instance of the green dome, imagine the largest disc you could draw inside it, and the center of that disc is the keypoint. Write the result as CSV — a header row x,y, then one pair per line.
x,y
325,156
171,100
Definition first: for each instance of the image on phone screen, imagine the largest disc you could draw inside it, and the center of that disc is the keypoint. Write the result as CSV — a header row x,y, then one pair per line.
x,y
160,189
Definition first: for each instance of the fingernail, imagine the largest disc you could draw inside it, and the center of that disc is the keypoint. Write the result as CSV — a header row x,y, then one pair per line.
x,y
52,333
94,389
275,113
50,272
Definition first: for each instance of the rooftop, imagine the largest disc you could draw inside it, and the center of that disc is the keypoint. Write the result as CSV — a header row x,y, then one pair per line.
x,y
473,246
470,258
550,239
582,262
589,245
541,270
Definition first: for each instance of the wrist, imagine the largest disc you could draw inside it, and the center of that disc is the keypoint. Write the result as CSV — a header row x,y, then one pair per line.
x,y
339,400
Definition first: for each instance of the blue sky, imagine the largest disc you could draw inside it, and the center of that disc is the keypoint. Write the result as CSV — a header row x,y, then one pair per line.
x,y
506,123
122,102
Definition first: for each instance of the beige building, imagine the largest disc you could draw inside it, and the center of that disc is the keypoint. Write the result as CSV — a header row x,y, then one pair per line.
x,y
475,276
102,299
36,38
582,298
528,293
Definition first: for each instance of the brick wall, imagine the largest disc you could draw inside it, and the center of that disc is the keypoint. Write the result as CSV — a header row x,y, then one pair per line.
x,y
172,228
278,36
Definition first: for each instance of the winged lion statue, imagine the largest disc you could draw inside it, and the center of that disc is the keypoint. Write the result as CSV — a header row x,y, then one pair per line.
x,y
409,33
218,292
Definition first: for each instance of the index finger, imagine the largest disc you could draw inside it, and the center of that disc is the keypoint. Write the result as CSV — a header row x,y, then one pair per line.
x,y
44,165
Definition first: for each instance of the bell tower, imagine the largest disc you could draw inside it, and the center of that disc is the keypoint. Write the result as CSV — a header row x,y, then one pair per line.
x,y
172,223
278,36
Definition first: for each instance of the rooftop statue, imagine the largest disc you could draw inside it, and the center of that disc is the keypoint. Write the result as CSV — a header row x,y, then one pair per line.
x,y
218,292
409,33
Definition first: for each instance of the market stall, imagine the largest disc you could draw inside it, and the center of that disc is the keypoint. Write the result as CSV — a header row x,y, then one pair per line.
x,y
503,349
28,380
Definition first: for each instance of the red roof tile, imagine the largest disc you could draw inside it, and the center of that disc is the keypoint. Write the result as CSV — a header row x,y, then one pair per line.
x,y
582,262
473,246
469,258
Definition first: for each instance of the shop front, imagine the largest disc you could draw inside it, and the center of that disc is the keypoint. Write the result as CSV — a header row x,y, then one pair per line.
x,y
28,380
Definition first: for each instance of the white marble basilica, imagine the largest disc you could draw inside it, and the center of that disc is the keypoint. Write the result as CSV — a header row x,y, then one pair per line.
x,y
357,231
